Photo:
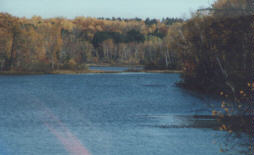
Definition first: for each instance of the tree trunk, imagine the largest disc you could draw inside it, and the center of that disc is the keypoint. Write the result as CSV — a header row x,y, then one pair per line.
x,y
13,53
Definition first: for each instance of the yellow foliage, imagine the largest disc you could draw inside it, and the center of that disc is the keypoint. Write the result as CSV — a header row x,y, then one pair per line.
x,y
72,62
214,113
224,127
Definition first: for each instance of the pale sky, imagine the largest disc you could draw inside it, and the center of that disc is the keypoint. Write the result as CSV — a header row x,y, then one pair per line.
x,y
102,8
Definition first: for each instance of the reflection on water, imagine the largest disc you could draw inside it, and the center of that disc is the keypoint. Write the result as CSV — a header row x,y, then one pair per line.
x,y
106,114
186,121
117,69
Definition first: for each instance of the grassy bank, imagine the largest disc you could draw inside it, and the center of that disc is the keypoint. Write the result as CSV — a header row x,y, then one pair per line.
x,y
84,72
80,71
113,65
55,72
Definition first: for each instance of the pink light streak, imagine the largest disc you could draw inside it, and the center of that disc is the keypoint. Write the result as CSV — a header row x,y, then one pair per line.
x,y
70,142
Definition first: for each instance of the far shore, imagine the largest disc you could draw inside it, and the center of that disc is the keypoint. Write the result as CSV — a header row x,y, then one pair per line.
x,y
85,72
113,65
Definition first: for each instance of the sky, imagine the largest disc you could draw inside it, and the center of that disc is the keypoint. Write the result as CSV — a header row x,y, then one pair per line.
x,y
102,8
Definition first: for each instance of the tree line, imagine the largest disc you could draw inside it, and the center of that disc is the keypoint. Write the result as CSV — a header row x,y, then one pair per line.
x,y
38,44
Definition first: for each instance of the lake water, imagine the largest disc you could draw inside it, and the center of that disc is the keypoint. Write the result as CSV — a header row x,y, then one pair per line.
x,y
105,114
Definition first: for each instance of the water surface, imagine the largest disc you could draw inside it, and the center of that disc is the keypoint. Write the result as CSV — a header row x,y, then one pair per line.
x,y
104,114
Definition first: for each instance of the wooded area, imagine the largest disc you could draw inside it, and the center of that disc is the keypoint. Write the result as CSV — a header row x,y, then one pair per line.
x,y
217,50
38,44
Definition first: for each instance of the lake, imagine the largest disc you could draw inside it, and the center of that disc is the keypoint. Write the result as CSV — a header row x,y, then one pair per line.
x,y
106,114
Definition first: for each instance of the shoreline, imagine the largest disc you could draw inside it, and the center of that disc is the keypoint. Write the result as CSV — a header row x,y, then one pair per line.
x,y
113,65
86,72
